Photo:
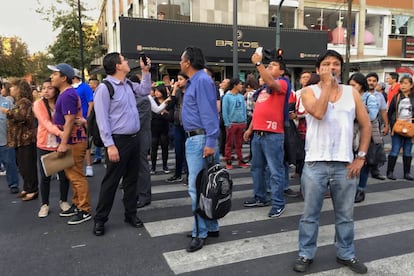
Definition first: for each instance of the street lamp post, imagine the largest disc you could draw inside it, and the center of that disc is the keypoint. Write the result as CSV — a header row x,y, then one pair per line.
x,y
81,41
278,24
235,48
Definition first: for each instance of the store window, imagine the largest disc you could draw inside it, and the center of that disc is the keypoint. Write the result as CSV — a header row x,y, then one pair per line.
x,y
374,30
173,10
402,25
333,21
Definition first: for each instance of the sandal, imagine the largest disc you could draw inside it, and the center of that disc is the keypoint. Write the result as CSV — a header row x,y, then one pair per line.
x,y
30,196
22,194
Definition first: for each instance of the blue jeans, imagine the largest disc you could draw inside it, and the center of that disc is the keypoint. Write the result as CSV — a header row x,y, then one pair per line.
x,y
398,141
194,147
8,158
363,178
268,154
315,179
98,153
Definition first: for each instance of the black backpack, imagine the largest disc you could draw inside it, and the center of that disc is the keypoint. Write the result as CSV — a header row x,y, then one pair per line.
x,y
214,191
93,129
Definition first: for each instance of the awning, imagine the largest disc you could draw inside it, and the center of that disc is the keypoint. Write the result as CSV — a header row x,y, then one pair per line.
x,y
405,70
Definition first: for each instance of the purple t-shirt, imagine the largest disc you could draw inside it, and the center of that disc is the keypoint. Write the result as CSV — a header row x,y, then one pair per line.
x,y
68,103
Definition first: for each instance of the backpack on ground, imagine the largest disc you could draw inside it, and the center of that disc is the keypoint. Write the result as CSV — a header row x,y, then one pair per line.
x,y
214,191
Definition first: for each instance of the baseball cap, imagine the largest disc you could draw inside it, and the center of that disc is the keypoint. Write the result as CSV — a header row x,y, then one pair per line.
x,y
78,73
64,68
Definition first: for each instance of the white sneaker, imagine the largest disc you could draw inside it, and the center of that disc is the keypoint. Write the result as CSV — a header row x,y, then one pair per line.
x,y
64,206
44,211
89,171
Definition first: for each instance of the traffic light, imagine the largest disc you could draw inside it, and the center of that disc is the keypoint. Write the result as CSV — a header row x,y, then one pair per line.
x,y
279,53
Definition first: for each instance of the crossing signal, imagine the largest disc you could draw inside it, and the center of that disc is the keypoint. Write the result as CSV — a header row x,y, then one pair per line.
x,y
280,53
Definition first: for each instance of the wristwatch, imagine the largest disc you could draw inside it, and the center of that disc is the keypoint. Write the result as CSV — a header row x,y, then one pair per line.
x,y
361,155
258,63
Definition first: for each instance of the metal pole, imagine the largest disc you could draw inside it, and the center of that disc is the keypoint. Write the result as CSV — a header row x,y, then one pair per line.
x,y
345,76
81,41
278,24
235,48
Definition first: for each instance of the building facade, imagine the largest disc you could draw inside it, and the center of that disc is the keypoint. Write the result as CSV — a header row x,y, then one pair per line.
x,y
380,41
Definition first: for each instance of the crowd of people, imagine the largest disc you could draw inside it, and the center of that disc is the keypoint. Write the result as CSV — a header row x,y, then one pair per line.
x,y
325,129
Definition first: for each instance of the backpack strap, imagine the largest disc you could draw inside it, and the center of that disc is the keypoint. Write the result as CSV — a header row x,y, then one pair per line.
x,y
110,88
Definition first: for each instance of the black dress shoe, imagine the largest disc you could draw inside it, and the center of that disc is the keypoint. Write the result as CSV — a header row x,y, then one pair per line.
x,y
97,161
212,234
408,176
378,176
99,229
195,244
141,204
134,222
391,176
360,196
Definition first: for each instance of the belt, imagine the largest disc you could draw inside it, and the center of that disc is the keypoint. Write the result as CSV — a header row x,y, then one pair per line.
x,y
262,133
198,131
125,135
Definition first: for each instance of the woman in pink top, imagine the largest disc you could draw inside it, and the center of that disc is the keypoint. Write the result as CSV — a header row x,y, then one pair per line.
x,y
46,143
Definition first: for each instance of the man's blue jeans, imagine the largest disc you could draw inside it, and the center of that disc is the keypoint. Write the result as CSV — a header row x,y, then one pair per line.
x,y
194,147
8,158
268,154
179,147
315,179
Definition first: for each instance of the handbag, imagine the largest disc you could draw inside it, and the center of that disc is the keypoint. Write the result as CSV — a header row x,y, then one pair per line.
x,y
404,128
401,127
376,154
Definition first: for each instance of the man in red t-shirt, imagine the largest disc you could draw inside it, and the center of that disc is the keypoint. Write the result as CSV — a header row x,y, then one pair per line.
x,y
267,128
392,81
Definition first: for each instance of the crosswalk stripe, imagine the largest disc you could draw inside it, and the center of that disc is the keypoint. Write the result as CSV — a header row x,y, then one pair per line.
x,y
179,225
391,266
269,245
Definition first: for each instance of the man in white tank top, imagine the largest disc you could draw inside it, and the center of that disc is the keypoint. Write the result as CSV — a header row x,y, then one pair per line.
x,y
332,108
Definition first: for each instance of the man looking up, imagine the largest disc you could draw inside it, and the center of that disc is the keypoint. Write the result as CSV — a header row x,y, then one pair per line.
x,y
118,122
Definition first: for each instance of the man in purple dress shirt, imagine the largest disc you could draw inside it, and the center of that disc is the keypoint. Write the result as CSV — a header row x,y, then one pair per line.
x,y
118,122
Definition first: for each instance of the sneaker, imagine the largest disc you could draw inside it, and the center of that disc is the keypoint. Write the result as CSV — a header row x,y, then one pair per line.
x,y
229,166
96,161
166,170
275,212
69,212
290,193
44,211
255,203
174,178
243,165
89,171
354,264
64,206
14,190
302,264
152,171
80,217
3,173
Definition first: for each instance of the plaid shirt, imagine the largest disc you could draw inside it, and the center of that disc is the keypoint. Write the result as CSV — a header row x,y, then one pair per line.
x,y
250,102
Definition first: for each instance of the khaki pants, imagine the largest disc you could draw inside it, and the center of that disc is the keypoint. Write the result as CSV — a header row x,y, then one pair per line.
x,y
77,178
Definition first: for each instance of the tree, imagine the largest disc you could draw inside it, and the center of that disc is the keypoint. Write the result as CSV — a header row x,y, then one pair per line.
x,y
14,57
67,46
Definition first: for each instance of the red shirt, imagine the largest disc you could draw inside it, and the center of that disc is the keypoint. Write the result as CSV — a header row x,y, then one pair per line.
x,y
268,110
392,92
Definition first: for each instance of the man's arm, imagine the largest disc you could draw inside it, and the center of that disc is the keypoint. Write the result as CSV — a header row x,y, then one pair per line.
x,y
267,78
384,116
67,131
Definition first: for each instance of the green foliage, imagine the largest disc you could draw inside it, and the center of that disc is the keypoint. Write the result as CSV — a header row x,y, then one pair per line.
x,y
14,57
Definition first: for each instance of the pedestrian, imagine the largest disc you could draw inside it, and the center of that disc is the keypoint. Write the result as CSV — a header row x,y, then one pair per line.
x,y
267,133
93,84
393,86
21,135
201,124
329,160
176,105
118,121
7,154
46,142
401,107
360,84
86,96
234,114
67,109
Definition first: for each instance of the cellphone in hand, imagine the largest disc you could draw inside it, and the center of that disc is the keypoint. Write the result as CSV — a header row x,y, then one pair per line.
x,y
142,54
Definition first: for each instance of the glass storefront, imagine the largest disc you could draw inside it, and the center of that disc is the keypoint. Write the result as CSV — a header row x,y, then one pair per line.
x,y
173,9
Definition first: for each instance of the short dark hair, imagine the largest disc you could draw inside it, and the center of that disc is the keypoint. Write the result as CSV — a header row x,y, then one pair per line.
x,y
372,74
360,79
252,82
233,82
195,56
394,75
314,79
282,64
182,74
329,53
110,61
